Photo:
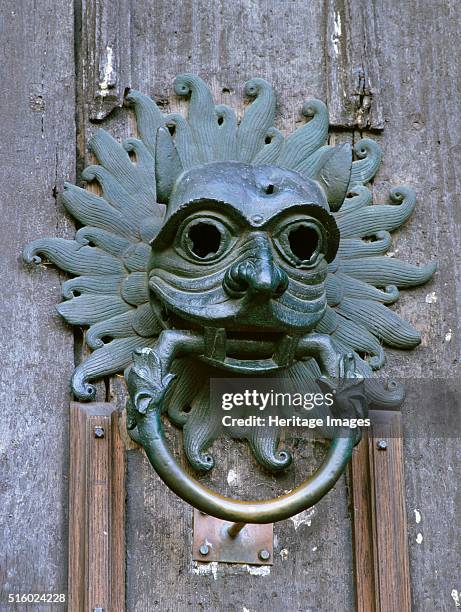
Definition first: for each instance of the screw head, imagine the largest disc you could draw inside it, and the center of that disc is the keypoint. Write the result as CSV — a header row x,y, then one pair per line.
x,y
99,432
264,555
381,445
204,549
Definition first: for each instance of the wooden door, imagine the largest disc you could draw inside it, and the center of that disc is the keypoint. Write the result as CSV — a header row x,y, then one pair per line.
x,y
66,70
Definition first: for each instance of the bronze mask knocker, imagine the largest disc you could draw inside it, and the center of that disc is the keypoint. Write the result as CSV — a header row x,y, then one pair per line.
x,y
228,247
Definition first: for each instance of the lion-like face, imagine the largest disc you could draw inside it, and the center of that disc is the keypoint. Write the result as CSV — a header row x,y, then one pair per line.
x,y
254,268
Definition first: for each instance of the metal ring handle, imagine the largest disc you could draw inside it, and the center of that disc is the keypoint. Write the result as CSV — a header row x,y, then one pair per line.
x,y
150,436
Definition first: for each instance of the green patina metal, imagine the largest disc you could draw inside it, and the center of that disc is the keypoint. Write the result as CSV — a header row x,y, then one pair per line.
x,y
227,246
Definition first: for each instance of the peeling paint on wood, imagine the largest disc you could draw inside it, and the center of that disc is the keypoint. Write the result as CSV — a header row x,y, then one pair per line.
x,y
353,84
303,518
104,54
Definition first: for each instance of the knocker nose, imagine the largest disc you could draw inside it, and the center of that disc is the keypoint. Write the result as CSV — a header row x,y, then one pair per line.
x,y
257,274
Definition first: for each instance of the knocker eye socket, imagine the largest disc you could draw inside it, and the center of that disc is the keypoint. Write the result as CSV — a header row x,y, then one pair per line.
x,y
203,239
304,242
301,243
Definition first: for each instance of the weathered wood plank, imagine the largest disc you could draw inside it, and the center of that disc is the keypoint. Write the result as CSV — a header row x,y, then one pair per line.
x,y
38,154
362,528
118,514
381,565
105,37
353,76
96,509
392,583
421,69
77,508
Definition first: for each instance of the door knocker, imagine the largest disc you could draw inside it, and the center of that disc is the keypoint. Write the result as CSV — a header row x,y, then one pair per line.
x,y
219,246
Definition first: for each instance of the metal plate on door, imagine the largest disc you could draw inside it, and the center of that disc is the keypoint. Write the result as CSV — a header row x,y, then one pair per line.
x,y
250,543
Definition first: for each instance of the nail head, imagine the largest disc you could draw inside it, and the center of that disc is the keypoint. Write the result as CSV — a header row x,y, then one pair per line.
x,y
264,555
204,549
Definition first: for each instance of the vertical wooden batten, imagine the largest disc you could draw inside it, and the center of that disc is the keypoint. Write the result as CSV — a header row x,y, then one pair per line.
x,y
97,465
106,69
381,560
96,509
362,538
353,79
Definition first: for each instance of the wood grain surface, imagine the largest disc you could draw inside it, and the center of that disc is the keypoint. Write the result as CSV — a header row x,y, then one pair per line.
x,y
379,521
362,529
392,591
96,509
37,143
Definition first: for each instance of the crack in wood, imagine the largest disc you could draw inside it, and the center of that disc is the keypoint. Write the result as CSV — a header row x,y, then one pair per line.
x,y
353,80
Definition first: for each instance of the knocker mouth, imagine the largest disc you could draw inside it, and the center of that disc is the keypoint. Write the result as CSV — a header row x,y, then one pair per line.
x,y
247,352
